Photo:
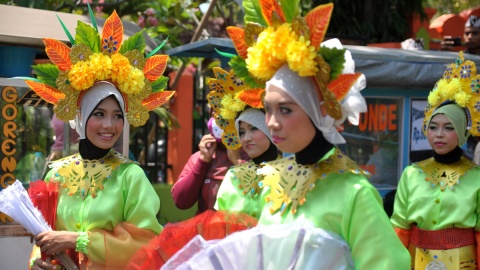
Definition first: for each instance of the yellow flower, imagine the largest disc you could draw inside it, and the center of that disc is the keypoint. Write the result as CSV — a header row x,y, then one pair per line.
x,y
227,114
301,57
80,76
135,82
283,36
261,62
237,105
434,98
462,98
101,66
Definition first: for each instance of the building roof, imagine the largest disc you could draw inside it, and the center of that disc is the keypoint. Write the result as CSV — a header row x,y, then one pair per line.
x,y
20,26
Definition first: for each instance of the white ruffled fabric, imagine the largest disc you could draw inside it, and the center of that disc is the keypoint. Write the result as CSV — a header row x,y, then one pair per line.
x,y
284,246
15,202
302,90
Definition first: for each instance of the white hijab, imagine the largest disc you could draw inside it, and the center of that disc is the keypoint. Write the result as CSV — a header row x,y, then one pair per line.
x,y
90,100
302,91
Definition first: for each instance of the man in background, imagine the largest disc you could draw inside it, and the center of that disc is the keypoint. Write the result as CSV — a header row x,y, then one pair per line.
x,y
471,37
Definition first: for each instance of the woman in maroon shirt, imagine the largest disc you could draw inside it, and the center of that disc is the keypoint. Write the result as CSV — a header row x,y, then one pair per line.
x,y
202,175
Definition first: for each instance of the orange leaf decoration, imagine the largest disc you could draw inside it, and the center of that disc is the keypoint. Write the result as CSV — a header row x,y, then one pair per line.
x,y
252,97
155,66
340,86
318,20
237,35
58,52
270,6
46,92
112,34
157,99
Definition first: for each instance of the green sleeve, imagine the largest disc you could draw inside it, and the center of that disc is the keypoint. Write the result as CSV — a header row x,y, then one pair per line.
x,y
139,224
224,192
399,215
373,242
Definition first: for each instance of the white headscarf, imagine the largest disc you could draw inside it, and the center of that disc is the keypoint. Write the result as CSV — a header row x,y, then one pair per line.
x,y
302,91
254,117
93,96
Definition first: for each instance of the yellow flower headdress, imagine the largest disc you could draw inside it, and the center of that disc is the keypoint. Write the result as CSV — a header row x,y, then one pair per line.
x,y
95,58
460,84
274,35
228,96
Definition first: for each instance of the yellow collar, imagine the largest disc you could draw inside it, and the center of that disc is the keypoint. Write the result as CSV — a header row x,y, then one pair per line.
x,y
444,175
84,176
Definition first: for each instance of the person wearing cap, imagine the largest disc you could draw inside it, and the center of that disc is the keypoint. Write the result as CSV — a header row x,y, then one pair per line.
x,y
436,210
471,37
104,207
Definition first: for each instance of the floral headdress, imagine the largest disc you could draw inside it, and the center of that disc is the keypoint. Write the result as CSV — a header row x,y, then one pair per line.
x,y
275,35
95,58
228,96
460,84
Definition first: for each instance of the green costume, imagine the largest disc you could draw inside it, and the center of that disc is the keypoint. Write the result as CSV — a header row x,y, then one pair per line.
x,y
436,196
239,191
334,195
110,202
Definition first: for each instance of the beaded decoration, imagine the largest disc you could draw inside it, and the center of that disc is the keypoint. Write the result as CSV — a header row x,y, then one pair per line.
x,y
82,177
444,175
301,178
229,96
460,84
275,35
95,58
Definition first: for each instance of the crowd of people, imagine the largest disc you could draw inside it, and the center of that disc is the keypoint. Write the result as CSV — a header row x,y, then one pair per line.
x,y
269,174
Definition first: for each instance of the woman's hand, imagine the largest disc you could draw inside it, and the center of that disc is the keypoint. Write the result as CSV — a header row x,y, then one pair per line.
x,y
39,264
52,242
207,147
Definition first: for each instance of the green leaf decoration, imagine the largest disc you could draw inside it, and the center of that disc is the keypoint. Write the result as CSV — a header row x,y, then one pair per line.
x,y
335,58
159,84
92,17
224,54
253,12
27,79
156,49
238,64
47,73
87,35
290,9
72,40
137,41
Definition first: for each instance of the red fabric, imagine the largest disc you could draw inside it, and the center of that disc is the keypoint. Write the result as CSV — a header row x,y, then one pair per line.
x,y
404,236
210,225
44,196
442,239
200,181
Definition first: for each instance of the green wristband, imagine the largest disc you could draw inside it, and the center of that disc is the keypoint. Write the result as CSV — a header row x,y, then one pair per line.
x,y
82,242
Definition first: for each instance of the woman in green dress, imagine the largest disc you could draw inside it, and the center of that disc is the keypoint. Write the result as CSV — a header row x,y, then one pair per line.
x,y
436,211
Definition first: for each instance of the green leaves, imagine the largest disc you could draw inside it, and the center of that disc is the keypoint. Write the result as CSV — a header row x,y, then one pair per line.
x,y
335,58
159,84
87,35
135,42
253,12
290,9
238,64
47,73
